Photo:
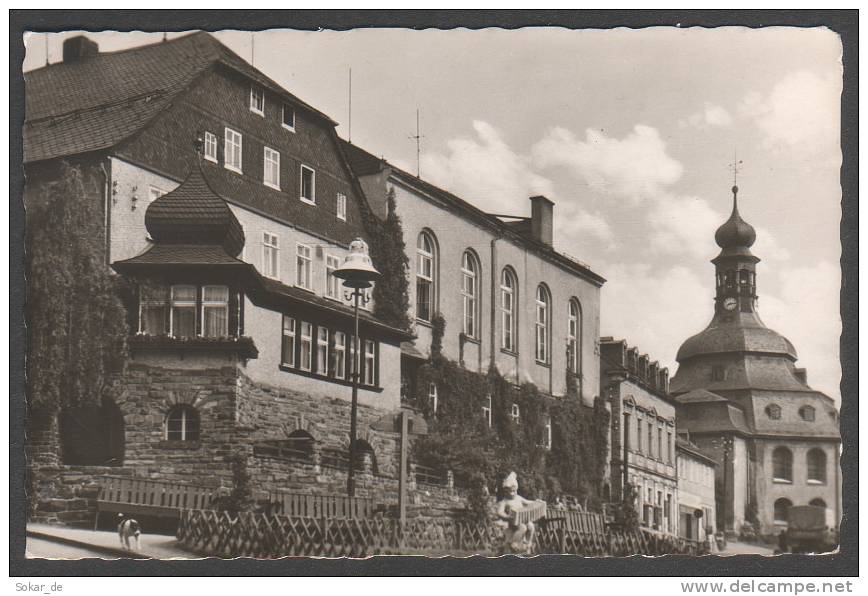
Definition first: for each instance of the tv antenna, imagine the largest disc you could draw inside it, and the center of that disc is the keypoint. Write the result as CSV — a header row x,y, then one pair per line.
x,y
418,138
350,109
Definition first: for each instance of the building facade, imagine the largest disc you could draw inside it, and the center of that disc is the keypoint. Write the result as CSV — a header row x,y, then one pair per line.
x,y
696,496
509,299
643,433
229,202
743,400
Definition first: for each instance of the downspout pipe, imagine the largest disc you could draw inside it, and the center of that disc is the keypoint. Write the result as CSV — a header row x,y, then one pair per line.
x,y
493,304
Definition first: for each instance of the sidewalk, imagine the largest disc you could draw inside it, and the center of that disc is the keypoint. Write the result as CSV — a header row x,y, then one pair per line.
x,y
152,546
744,548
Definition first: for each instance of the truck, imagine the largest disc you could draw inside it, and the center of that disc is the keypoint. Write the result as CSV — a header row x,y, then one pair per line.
x,y
809,530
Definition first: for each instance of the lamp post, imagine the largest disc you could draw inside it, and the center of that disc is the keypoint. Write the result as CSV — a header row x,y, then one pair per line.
x,y
357,272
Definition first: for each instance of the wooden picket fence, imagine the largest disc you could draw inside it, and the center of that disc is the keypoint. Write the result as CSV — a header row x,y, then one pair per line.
x,y
319,506
261,536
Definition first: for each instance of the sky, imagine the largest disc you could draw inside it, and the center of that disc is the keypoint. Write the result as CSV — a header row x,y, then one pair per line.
x,y
630,132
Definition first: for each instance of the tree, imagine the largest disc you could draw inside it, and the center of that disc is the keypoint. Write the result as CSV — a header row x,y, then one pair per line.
x,y
391,294
76,319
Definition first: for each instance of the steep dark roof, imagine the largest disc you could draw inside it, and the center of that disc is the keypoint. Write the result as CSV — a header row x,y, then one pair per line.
x,y
96,103
182,255
700,396
695,451
368,163
736,333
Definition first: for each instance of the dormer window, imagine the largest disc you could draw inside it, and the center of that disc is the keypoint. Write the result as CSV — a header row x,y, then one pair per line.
x,y
288,117
807,413
773,411
257,100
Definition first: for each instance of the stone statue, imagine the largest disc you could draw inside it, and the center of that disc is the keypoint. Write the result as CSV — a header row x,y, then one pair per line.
x,y
517,534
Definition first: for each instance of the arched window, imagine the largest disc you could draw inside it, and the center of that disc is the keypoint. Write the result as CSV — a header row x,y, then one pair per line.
x,y
782,464
182,424
773,411
818,503
432,397
508,286
515,413
817,466
426,271
574,337
807,413
543,304
470,293
782,510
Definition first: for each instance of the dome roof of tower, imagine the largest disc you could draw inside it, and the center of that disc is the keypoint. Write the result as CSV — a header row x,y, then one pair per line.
x,y
745,334
735,232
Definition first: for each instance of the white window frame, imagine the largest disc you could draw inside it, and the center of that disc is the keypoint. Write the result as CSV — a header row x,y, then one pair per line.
x,y
257,92
303,266
432,396
154,193
270,157
332,283
283,117
270,246
306,342
288,332
574,315
233,149
184,410
214,304
341,206
370,349
541,325
547,439
340,355
470,294
182,304
210,149
507,314
426,257
515,413
486,410
322,350
312,199
163,303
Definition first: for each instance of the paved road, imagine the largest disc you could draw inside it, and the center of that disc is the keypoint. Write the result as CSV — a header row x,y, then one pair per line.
x,y
743,548
37,548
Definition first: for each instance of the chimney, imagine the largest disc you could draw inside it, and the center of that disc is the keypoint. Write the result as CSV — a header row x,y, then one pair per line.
x,y
78,48
664,380
541,219
801,375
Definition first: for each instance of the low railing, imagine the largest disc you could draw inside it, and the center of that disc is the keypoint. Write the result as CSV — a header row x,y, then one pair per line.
x,y
321,506
272,536
128,490
584,522
283,450
430,476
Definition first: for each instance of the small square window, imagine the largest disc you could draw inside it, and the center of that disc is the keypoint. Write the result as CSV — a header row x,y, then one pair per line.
x,y
341,206
257,100
288,117
308,185
211,146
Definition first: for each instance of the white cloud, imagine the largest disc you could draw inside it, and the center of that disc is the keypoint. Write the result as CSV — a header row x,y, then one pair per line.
x,y
655,310
710,116
636,166
802,112
807,312
487,172
683,225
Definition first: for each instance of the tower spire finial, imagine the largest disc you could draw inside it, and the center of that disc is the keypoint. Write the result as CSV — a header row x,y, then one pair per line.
x,y
734,167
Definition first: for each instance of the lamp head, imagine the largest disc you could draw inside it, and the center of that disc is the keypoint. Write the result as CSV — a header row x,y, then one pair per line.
x,y
357,270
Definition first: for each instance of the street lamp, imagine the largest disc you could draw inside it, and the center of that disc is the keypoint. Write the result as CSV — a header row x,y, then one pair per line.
x,y
357,272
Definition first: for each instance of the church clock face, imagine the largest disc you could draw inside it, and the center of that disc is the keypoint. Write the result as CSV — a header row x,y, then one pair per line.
x,y
730,303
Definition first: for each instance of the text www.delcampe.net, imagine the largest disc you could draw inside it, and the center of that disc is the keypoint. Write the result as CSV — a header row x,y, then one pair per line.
x,y
767,587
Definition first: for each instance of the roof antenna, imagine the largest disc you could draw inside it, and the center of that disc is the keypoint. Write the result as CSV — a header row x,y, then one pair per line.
x,y
252,49
46,49
165,36
350,109
417,137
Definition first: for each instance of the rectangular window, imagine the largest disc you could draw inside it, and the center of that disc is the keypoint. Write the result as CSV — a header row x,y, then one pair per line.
x,y
270,255
370,363
340,355
341,206
306,346
424,284
183,320
486,410
257,100
669,446
507,308
650,438
660,443
271,169
302,266
322,350
153,314
639,436
307,192
547,438
211,146
287,348
288,117
215,311
232,150
333,284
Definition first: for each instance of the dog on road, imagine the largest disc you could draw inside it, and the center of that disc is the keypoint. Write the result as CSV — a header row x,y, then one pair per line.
x,y
129,531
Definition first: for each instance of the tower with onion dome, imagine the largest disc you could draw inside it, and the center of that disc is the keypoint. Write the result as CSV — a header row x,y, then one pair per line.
x,y
742,398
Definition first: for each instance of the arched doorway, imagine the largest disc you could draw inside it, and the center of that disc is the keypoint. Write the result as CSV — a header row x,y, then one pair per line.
x,y
92,435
